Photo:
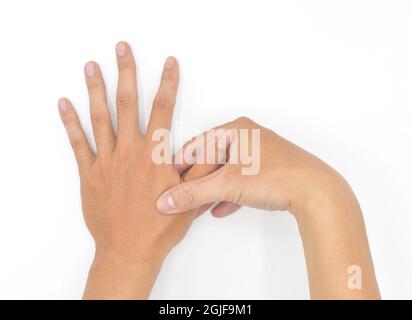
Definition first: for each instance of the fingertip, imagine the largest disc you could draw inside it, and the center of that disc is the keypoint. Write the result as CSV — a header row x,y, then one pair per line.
x,y
121,48
63,105
216,213
124,56
224,209
170,74
171,62
166,203
90,68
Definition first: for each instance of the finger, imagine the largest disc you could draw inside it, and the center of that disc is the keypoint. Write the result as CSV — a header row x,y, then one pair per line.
x,y
209,147
209,158
206,153
81,148
185,157
198,171
99,111
164,102
126,97
203,209
193,194
186,152
224,209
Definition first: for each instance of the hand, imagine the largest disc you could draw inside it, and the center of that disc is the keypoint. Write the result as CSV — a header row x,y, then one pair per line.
x,y
120,183
289,178
286,176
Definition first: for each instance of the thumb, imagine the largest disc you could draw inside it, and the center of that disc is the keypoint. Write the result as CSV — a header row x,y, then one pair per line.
x,y
191,195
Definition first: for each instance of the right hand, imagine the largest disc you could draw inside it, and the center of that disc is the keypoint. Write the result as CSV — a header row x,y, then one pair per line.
x,y
328,215
288,177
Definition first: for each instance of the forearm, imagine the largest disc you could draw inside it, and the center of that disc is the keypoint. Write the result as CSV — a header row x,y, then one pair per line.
x,y
111,277
335,243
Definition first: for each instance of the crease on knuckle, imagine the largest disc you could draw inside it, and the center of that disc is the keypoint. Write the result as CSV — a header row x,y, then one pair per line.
x,y
98,117
162,103
184,196
75,141
94,85
125,98
126,64
170,76
69,122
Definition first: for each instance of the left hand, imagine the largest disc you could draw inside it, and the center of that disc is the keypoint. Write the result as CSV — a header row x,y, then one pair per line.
x,y
120,183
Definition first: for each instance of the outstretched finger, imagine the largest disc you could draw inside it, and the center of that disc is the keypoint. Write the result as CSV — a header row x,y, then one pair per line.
x,y
164,102
81,148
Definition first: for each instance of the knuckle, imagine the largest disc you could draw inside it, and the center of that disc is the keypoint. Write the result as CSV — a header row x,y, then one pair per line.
x,y
124,156
243,120
75,142
98,173
94,85
69,122
98,117
91,181
232,192
170,76
125,98
184,195
162,103
126,64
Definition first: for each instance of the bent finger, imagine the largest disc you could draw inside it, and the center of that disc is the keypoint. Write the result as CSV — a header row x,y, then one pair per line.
x,y
224,209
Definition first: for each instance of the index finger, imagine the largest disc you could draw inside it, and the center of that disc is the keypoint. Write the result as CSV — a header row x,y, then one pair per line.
x,y
164,102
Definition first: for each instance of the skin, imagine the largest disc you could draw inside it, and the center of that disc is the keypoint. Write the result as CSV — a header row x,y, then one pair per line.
x,y
120,183
327,212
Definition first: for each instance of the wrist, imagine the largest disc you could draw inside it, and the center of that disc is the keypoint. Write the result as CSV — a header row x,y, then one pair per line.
x,y
116,276
325,191
334,239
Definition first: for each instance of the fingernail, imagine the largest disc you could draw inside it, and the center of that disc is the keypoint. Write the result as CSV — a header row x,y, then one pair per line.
x,y
121,49
166,203
170,61
63,106
90,69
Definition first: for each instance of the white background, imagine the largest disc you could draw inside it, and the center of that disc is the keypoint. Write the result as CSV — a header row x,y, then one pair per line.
x,y
335,77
